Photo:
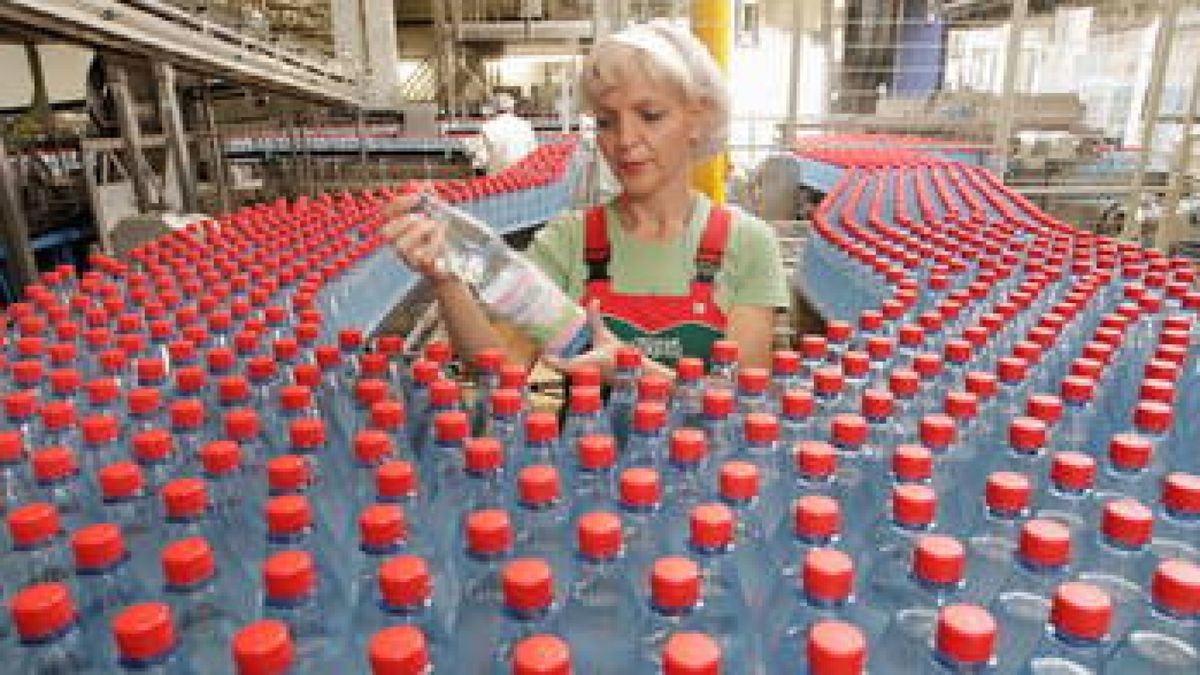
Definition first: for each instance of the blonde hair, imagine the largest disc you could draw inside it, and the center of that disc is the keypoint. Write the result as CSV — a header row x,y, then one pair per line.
x,y
662,51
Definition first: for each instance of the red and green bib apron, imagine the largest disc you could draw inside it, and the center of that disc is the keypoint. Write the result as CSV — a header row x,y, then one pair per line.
x,y
663,327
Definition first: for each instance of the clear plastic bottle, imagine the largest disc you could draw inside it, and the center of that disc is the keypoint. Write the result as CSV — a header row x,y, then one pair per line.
x,y
600,611
1163,640
509,286
686,476
405,592
725,613
673,606
209,604
106,581
542,655
1069,496
648,441
1118,560
592,478
298,594
266,647
640,508
695,653
529,609
994,529
1078,638
542,518
834,648
1177,522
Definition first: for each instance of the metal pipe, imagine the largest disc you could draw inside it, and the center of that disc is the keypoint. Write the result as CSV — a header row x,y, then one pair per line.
x,y
1004,124
1158,70
172,125
217,168
20,264
1169,228
712,22
131,135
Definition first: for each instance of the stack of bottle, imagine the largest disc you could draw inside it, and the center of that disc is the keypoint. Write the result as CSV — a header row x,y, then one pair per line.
x,y
984,468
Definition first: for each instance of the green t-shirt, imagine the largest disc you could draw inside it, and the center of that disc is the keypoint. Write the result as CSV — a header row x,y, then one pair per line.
x,y
751,272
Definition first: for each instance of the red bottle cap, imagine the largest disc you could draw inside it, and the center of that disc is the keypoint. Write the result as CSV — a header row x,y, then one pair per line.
x,y
263,648
488,532
381,526
652,387
856,364
506,402
1175,586
596,452
307,432
1181,493
1072,471
585,400
97,546
687,446
815,459
1045,407
914,505
687,369
829,380
877,403
912,463
649,417
541,655
288,514
903,382
937,431
1153,417
723,351
965,634
120,480
40,610
541,427
185,497
372,447
784,362
404,581
395,479
527,584
816,517
827,575
187,562
1130,452
983,385
52,464
797,404
711,526
848,429
836,648
1127,522
629,358
483,454
31,524
938,559
813,347
1081,611
398,650
220,457
186,413
675,583
288,575
599,535
738,481
717,402
1045,542
1077,389
639,487
538,484
691,654
1008,492
1027,434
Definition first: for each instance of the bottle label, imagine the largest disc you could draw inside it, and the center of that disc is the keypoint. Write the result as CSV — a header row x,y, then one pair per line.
x,y
522,296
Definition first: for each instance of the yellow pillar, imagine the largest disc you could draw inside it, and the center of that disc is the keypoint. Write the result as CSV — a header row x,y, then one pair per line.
x,y
712,22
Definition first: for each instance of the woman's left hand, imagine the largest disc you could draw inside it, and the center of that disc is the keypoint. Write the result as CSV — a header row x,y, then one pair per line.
x,y
601,356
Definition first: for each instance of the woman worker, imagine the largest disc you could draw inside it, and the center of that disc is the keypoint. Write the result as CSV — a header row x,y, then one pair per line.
x,y
660,266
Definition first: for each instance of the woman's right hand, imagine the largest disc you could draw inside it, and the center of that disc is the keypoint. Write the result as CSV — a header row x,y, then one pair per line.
x,y
419,241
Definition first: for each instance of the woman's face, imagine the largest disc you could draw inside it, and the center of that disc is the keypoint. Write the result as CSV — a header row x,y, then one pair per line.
x,y
646,131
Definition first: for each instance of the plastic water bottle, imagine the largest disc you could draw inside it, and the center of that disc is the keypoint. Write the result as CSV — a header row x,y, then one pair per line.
x,y
585,416
796,416
39,552
686,476
16,481
542,518
404,592
992,535
904,384
592,477
265,647
753,394
529,608
913,514
100,444
834,647
654,388
856,472
1026,452
105,579
1177,519
389,417
296,592
58,425
723,364
737,489
883,430
242,426
828,390
506,423
145,636
57,480
814,471
1069,496
187,428
718,423
1078,638
487,544
825,593
673,606
815,522
512,288
1118,560
964,641
687,401
187,512
640,508
649,438
1074,432
814,354
541,442
442,463
1164,639
293,526
1131,470
49,638
207,603
541,654
624,393
600,610
424,374
126,503
382,531
487,363
1022,606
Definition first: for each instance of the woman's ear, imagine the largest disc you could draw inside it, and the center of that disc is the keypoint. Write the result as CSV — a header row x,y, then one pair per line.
x,y
699,113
